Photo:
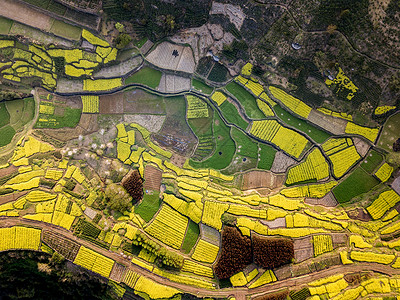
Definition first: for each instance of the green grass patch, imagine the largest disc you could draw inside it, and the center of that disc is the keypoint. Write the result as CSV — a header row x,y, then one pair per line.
x,y
148,207
146,76
21,111
6,135
202,128
359,182
246,99
224,150
4,115
5,25
191,237
371,161
390,133
57,8
65,30
314,133
202,87
70,118
267,156
40,3
141,42
245,146
232,115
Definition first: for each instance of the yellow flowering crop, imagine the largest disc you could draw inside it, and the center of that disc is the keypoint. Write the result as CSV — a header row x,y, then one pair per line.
x,y
247,68
379,258
94,261
264,107
205,252
196,268
212,213
169,226
188,209
46,109
218,98
94,40
380,110
385,201
90,104
101,84
322,244
265,278
6,43
384,172
344,83
295,105
369,133
238,279
19,237
254,87
197,108
314,167
358,242
335,114
154,290
343,160
311,190
242,210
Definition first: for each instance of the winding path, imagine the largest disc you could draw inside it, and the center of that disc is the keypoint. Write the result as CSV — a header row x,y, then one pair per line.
x,y
239,293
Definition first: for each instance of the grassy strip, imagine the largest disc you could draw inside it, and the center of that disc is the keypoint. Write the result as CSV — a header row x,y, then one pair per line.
x,y
359,182
5,25
148,207
6,135
314,133
246,100
202,87
191,237
4,115
65,30
225,147
245,145
231,114
70,119
371,161
146,76
267,156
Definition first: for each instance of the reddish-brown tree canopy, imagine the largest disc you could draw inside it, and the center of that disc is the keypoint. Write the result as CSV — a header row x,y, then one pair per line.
x,y
271,253
133,184
235,254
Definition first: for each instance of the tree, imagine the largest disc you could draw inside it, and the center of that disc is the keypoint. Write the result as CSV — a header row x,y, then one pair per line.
x,y
117,198
133,184
396,145
119,27
122,40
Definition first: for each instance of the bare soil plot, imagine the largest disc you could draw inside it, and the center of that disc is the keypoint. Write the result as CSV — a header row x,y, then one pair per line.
x,y
277,223
339,239
152,178
117,272
153,123
210,234
140,102
331,124
18,11
329,200
172,57
361,146
173,84
359,214
66,247
69,86
396,185
303,249
233,12
111,104
8,170
283,272
11,197
281,162
87,124
261,179
178,160
120,70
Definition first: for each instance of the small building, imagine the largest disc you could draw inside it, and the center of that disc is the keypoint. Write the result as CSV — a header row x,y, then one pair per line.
x,y
296,46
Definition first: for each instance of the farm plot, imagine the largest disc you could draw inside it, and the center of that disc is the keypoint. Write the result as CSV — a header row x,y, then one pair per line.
x,y
246,100
330,124
357,183
149,206
66,247
173,84
390,133
224,150
201,86
146,76
318,135
172,57
137,101
231,114
261,179
120,70
5,25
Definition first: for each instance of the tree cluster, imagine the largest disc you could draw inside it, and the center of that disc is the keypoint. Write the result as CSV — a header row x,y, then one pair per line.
x,y
271,253
165,258
117,198
238,251
133,184
396,145
235,254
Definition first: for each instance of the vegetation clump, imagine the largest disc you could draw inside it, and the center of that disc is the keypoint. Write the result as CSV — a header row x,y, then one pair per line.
x,y
235,255
133,184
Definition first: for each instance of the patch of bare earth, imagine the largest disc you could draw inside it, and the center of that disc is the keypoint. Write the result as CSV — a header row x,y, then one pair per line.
x,y
152,178
262,179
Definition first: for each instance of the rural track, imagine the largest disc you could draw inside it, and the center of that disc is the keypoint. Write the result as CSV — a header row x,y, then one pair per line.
x,y
239,293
